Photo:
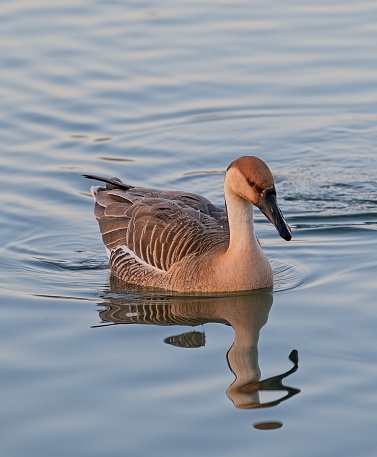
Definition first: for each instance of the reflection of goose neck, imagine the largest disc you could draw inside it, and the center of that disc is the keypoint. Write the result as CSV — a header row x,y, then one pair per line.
x,y
244,364
243,355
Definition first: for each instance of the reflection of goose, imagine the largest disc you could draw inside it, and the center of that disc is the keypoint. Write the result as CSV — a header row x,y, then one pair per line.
x,y
247,314
181,241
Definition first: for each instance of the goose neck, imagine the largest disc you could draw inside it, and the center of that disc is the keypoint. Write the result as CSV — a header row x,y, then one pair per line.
x,y
240,217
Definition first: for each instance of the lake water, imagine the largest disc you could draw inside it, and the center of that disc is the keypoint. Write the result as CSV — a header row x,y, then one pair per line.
x,y
167,94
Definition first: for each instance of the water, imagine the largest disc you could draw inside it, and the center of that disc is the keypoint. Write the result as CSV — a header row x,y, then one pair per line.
x,y
167,94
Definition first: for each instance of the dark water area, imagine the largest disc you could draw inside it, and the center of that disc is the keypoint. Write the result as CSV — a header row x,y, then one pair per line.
x,y
167,94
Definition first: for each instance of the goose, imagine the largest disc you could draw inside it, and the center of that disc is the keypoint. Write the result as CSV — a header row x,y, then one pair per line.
x,y
180,241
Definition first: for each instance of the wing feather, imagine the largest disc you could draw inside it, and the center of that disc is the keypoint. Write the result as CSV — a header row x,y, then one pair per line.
x,y
158,228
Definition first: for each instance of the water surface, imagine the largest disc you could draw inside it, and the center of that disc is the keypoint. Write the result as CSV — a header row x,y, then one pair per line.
x,y
167,94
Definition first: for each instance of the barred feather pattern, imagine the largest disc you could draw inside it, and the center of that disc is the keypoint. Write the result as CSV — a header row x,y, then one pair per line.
x,y
148,232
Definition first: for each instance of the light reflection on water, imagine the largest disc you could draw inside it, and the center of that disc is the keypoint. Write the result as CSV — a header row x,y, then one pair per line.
x,y
167,95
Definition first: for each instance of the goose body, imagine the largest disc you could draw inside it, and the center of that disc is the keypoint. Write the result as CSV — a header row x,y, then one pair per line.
x,y
180,241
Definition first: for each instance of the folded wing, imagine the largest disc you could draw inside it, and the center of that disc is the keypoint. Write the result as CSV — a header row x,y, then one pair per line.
x,y
159,227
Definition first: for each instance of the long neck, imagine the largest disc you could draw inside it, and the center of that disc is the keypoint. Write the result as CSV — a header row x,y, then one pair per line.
x,y
243,264
241,223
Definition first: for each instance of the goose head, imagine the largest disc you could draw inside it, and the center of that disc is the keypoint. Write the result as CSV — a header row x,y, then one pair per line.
x,y
251,179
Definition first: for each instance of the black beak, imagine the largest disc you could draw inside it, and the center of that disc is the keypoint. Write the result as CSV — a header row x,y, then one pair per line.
x,y
269,207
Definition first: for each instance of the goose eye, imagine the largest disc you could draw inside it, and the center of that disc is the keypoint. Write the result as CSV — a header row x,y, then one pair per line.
x,y
251,183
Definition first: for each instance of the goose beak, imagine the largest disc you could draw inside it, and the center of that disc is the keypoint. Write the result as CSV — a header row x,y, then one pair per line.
x,y
269,207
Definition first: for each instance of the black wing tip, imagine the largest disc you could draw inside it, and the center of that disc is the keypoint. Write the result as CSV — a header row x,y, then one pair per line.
x,y
97,178
114,182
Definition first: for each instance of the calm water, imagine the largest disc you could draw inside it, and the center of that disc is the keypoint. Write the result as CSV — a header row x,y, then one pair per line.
x,y
167,94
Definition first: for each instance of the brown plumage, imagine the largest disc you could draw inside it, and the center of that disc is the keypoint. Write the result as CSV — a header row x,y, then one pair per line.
x,y
181,241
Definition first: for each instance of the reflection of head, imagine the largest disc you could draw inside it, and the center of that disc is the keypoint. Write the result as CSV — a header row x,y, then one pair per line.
x,y
244,392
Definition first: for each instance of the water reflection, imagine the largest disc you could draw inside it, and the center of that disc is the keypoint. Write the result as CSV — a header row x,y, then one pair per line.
x,y
246,314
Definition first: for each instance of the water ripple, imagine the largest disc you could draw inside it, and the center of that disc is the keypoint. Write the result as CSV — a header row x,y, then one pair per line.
x,y
289,274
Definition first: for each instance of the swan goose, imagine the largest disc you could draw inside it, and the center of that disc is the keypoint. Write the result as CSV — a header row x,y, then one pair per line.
x,y
180,241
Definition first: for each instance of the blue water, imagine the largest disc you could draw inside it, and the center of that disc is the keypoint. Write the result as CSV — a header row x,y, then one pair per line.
x,y
167,94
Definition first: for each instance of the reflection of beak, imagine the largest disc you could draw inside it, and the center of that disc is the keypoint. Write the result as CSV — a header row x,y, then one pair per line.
x,y
269,207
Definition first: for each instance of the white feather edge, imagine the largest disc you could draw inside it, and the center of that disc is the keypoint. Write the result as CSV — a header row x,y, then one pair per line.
x,y
137,259
125,249
93,191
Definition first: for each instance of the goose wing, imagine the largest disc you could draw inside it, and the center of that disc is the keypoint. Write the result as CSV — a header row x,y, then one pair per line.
x,y
159,227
